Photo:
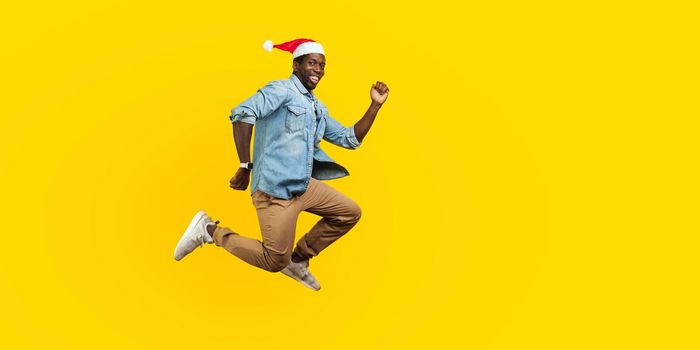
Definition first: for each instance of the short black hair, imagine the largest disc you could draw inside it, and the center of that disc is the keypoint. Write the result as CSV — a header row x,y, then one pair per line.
x,y
299,59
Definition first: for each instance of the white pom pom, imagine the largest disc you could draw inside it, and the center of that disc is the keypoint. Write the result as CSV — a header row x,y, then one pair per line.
x,y
267,45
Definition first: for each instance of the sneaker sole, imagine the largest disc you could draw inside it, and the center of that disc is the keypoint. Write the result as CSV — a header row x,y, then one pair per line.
x,y
195,220
284,271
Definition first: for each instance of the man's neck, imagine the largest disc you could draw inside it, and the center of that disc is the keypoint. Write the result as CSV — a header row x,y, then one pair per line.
x,y
309,91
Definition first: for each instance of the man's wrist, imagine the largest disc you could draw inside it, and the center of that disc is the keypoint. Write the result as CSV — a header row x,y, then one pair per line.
x,y
247,166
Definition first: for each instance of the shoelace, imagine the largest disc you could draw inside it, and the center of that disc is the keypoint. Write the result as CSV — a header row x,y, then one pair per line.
x,y
304,271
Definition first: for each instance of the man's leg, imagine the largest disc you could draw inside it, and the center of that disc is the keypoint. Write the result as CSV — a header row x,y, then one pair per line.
x,y
277,218
339,214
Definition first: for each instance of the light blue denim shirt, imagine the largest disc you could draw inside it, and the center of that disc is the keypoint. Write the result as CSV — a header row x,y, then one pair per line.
x,y
290,123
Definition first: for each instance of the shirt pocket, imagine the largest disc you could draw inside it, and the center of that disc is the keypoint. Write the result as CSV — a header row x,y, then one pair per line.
x,y
296,117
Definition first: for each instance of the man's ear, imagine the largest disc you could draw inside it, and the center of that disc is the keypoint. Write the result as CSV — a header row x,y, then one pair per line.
x,y
295,66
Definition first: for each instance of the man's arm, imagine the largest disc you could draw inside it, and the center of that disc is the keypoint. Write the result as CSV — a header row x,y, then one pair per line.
x,y
242,133
352,136
244,116
263,103
379,93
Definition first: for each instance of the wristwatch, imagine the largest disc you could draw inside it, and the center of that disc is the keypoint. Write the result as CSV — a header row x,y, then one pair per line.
x,y
248,166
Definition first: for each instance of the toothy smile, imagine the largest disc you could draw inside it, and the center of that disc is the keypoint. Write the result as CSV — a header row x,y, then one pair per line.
x,y
314,79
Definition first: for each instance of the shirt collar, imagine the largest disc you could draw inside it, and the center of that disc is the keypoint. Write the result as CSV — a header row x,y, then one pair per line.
x,y
299,85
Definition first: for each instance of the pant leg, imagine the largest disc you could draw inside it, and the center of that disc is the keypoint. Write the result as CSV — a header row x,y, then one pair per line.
x,y
339,214
277,218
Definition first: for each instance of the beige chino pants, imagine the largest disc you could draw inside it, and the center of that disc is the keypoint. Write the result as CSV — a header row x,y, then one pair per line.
x,y
278,221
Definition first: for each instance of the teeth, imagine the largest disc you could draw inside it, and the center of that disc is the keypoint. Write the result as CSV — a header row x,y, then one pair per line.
x,y
314,79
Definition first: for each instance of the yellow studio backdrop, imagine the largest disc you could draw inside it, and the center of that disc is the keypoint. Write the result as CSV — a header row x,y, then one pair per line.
x,y
530,183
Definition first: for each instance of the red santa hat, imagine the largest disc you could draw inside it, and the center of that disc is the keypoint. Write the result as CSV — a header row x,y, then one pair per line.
x,y
298,47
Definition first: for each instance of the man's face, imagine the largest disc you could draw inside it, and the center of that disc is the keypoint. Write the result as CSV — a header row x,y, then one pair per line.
x,y
310,70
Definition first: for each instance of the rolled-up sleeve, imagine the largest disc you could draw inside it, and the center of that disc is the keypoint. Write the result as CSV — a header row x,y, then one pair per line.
x,y
267,100
339,135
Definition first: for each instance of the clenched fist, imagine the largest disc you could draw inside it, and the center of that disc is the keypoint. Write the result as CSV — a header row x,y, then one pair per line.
x,y
240,180
379,92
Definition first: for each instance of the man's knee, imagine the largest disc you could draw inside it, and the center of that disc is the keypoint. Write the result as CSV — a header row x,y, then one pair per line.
x,y
354,214
277,262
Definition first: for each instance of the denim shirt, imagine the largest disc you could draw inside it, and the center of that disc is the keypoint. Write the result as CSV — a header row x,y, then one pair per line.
x,y
290,123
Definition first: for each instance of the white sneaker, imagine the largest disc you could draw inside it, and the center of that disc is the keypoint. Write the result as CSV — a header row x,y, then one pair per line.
x,y
195,235
300,272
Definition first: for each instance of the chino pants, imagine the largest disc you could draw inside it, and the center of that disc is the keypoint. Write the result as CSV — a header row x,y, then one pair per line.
x,y
278,220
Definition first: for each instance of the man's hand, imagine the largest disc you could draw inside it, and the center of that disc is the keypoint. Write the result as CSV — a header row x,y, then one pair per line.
x,y
240,180
379,92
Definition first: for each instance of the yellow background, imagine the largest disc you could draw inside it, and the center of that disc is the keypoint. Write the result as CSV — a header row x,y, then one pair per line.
x,y
530,183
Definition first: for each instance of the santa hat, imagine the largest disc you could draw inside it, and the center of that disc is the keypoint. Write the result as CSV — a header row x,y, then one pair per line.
x,y
298,47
